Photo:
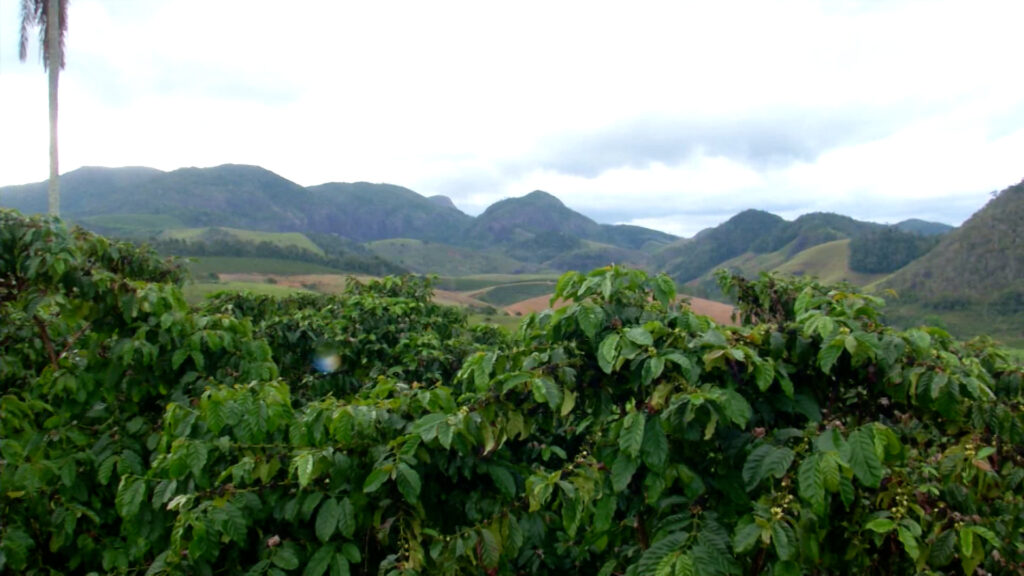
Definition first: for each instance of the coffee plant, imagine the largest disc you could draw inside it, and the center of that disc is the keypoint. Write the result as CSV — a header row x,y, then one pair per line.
x,y
374,432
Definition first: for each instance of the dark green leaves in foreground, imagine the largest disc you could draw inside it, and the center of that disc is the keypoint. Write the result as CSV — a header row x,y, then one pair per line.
x,y
619,434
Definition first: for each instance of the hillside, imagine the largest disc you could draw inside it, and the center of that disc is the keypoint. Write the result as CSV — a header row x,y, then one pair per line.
x,y
828,262
982,258
143,203
687,259
365,212
445,259
923,227
518,219
973,280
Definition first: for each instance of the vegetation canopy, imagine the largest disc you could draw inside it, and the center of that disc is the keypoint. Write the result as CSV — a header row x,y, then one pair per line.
x,y
374,432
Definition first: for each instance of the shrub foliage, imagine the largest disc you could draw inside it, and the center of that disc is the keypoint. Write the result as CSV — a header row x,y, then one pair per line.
x,y
621,434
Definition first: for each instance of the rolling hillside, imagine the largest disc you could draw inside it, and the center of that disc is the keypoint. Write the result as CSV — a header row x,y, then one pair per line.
x,y
142,203
973,281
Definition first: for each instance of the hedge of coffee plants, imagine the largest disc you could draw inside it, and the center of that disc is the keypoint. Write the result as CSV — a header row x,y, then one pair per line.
x,y
375,432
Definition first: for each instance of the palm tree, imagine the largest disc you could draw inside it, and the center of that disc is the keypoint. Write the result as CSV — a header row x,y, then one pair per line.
x,y
51,17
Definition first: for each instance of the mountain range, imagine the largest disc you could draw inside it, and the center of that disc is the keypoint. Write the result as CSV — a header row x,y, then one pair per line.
x,y
934,267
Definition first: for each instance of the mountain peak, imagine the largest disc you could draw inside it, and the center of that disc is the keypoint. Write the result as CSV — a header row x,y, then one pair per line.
x,y
442,200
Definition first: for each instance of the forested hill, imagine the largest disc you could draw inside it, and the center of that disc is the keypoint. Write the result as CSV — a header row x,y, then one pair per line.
x,y
530,233
982,260
251,197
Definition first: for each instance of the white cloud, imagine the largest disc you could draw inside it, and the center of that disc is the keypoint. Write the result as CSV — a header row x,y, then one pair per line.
x,y
654,112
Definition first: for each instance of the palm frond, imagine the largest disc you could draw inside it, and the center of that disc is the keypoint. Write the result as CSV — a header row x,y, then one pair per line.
x,y
36,14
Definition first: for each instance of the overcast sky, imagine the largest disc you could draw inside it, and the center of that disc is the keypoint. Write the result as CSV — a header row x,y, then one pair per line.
x,y
673,115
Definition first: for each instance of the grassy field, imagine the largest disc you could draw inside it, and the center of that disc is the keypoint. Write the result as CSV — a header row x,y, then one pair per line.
x,y
433,258
504,321
284,239
481,281
973,320
195,293
131,225
203,266
506,294
830,263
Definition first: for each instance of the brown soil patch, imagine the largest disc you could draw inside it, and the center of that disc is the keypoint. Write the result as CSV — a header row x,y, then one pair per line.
x,y
719,312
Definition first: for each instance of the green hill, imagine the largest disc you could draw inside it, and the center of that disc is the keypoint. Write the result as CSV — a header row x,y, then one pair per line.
x,y
688,259
283,239
924,227
811,230
974,278
828,262
519,219
366,212
143,202
447,260
978,260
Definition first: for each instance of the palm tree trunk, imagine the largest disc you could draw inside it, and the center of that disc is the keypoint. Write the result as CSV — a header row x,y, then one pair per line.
x,y
53,27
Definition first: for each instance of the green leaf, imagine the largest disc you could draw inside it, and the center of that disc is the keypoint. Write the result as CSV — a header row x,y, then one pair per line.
x,y
766,460
966,541
346,518
653,367
784,540
654,450
787,568
106,469
285,557
503,480
880,525
427,426
631,437
863,458
910,543
490,551
568,402
179,357
320,561
130,493
764,373
552,392
375,479
659,550
622,471
830,354
943,549
340,566
304,468
408,482
734,406
351,552
811,483
445,433
664,290
327,519
608,353
746,536
639,335
590,318
846,492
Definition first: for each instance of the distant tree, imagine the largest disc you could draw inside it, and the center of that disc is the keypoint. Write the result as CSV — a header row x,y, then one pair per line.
x,y
51,18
